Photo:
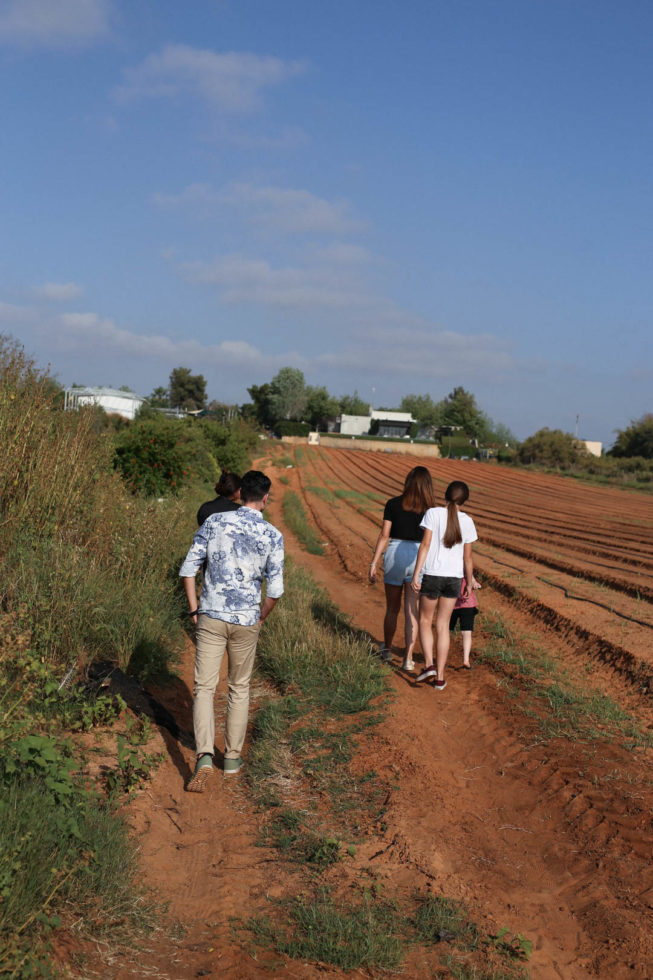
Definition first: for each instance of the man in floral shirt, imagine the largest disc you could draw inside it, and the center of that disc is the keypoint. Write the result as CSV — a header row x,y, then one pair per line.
x,y
240,549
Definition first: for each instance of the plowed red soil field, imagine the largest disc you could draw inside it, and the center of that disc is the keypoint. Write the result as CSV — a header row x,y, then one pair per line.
x,y
549,836
553,837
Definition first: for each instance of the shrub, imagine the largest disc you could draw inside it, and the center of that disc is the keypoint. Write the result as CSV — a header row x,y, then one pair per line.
x,y
288,427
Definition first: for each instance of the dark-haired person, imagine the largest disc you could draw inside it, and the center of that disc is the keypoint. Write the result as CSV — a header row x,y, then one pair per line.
x,y
445,556
227,497
400,538
240,549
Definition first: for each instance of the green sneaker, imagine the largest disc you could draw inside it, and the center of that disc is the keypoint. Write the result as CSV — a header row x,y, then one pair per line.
x,y
232,766
203,770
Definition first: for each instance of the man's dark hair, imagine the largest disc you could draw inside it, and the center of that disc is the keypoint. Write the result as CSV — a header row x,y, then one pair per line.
x,y
254,486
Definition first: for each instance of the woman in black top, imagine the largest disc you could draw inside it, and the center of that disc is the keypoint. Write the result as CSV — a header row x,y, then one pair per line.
x,y
228,491
400,539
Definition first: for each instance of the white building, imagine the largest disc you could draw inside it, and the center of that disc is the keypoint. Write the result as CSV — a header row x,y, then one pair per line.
x,y
114,402
393,424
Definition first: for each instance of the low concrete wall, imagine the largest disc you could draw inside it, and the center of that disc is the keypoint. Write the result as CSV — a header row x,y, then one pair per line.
x,y
371,445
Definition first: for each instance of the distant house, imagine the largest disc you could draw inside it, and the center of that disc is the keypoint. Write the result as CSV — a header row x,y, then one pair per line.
x,y
593,448
386,424
113,401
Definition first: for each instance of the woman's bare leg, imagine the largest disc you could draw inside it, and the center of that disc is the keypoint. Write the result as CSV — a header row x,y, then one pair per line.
x,y
411,624
392,607
426,610
442,619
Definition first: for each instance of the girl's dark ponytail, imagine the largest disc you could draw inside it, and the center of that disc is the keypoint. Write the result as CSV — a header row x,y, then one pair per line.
x,y
456,493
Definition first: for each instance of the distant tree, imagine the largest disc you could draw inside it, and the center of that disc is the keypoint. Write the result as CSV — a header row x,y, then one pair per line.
x,y
160,398
500,433
321,407
354,405
460,408
288,394
187,390
127,388
551,447
423,409
259,410
636,440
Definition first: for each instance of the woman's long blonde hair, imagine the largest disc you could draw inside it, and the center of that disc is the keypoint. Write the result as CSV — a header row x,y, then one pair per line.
x,y
418,493
456,493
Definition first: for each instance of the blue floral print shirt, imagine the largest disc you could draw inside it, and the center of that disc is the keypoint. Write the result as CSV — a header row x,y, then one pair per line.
x,y
240,548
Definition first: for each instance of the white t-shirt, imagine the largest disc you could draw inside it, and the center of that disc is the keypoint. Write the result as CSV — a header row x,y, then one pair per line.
x,y
441,560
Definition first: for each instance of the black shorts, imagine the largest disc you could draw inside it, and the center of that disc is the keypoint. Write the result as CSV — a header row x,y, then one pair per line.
x,y
434,586
465,617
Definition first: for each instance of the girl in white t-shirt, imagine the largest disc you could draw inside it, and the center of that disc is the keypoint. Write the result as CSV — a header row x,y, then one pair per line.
x,y
445,556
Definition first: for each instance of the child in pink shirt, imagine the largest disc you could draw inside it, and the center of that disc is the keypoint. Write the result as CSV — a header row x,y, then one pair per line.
x,y
464,612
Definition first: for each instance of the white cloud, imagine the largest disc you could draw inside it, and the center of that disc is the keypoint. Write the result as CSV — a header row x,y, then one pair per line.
x,y
232,81
53,23
285,210
291,211
421,353
244,280
91,332
59,292
10,314
343,253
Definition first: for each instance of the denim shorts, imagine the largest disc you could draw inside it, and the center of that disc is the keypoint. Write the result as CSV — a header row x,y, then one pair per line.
x,y
434,586
399,561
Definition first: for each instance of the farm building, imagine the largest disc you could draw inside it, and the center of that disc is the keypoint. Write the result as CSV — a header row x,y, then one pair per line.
x,y
113,401
390,424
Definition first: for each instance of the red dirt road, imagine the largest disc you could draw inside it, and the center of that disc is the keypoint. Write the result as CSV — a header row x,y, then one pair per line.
x,y
550,839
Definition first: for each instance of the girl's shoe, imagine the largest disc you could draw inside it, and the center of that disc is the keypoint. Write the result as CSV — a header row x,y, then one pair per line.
x,y
384,653
427,672
439,685
408,665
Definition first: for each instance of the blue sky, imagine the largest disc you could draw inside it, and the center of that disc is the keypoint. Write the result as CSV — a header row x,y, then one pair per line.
x,y
395,197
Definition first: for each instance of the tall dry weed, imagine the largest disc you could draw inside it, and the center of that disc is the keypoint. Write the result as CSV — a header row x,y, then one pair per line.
x,y
83,564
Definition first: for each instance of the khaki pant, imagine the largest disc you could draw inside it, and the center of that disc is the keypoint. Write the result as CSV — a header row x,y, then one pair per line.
x,y
213,637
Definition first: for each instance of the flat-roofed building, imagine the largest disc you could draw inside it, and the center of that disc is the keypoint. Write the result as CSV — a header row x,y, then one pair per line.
x,y
112,400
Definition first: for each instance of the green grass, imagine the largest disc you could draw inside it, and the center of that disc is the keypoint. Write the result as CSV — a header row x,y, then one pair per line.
x,y
295,517
347,935
545,692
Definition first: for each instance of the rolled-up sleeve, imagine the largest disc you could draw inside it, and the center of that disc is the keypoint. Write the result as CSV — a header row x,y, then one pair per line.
x,y
274,570
196,555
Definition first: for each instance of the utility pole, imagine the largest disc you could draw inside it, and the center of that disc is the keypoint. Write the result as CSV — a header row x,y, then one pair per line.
x,y
577,418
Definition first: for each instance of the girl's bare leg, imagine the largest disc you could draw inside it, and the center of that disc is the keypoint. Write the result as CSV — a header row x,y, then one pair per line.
x,y
392,607
411,619
445,608
426,610
467,645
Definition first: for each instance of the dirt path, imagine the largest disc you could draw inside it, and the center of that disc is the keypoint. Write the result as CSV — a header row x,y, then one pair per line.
x,y
551,840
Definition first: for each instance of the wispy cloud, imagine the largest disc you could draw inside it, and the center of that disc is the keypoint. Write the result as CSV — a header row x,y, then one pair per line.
x,y
101,335
282,209
243,280
11,315
53,23
59,292
232,82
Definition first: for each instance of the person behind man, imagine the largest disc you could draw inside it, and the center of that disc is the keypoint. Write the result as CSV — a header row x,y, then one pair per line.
x,y
240,548
227,497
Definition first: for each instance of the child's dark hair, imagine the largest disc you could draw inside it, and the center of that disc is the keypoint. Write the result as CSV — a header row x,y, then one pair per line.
x,y
228,484
418,493
456,493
